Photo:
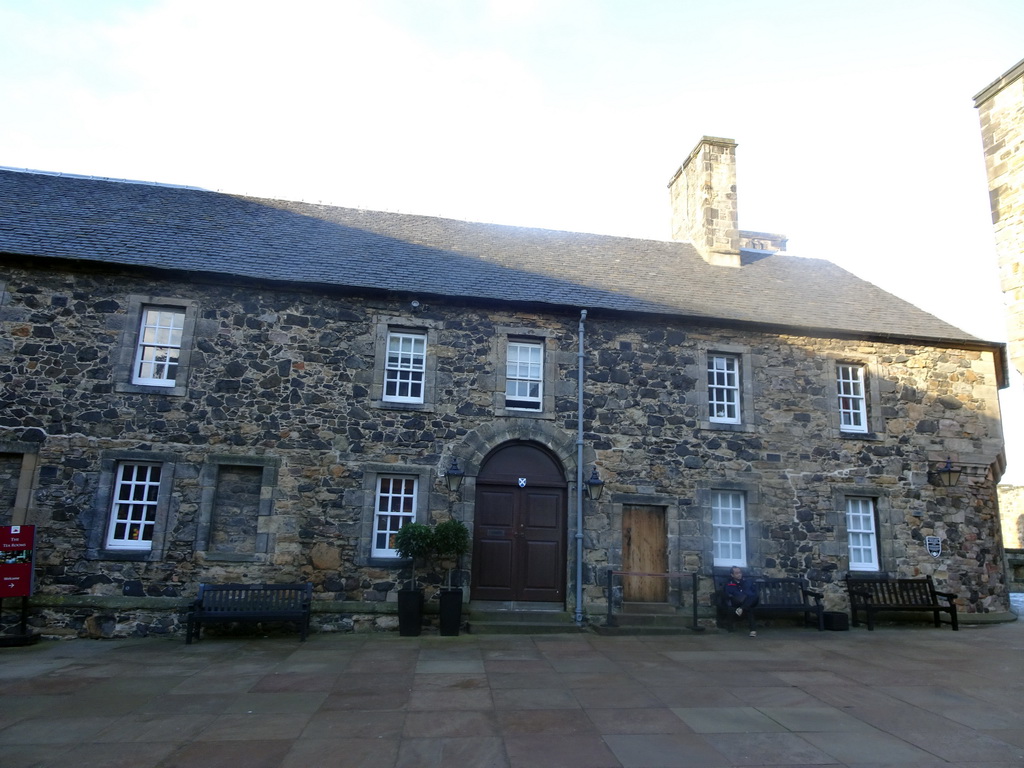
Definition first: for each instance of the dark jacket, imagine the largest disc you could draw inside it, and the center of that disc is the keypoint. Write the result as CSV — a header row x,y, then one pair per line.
x,y
739,591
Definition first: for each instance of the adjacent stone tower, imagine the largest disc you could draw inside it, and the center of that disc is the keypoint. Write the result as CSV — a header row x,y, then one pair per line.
x,y
703,194
1001,109
704,209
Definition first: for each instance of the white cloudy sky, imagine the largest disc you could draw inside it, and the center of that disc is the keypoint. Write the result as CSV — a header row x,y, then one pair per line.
x,y
857,132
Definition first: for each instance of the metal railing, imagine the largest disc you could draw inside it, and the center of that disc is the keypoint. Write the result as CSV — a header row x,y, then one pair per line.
x,y
615,596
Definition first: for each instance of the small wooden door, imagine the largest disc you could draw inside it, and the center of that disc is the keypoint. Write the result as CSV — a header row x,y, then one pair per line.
x,y
644,549
519,529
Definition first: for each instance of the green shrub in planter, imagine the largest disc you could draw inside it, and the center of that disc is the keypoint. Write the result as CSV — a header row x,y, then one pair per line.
x,y
414,541
451,542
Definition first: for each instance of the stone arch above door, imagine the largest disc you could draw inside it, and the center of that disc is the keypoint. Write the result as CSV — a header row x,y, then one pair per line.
x,y
481,442
517,458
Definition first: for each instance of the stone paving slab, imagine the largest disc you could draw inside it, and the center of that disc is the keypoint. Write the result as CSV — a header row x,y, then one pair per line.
x,y
910,696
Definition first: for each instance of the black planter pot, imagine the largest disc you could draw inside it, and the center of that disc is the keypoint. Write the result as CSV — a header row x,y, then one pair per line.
x,y
410,612
451,612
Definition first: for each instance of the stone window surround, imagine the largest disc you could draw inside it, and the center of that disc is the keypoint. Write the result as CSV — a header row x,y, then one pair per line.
x,y
405,367
864,504
98,519
208,491
29,462
677,545
872,397
527,354
751,504
368,503
729,392
387,513
724,561
746,387
136,497
125,360
499,357
384,325
884,525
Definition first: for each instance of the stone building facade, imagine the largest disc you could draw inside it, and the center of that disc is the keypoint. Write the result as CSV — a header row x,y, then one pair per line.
x,y
205,388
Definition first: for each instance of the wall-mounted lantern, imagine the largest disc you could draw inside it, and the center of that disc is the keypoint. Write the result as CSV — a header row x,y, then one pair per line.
x,y
594,486
453,477
946,476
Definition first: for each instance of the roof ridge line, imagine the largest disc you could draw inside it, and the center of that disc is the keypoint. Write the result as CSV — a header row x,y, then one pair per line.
x,y
114,180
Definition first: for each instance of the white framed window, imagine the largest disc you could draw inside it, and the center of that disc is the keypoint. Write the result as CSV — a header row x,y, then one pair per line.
x,y
133,509
158,351
524,375
405,367
394,507
157,339
853,409
861,534
724,388
524,360
728,528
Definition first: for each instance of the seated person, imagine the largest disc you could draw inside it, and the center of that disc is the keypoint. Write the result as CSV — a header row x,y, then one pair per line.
x,y
742,594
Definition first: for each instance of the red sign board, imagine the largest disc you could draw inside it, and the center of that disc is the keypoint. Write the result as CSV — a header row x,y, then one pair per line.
x,y
17,555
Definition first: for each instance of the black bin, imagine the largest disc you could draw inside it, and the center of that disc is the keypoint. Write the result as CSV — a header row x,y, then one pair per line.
x,y
837,621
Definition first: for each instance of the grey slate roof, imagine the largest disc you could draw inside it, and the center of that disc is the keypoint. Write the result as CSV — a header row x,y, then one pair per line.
x,y
182,228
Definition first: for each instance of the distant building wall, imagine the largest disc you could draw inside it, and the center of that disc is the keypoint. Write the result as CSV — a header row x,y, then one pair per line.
x,y
1011,512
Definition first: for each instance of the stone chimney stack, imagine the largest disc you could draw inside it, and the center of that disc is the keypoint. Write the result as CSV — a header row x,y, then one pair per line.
x,y
703,195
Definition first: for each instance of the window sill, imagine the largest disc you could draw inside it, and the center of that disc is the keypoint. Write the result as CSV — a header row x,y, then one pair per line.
x,y
387,562
124,555
724,427
392,406
148,389
859,435
516,413
228,557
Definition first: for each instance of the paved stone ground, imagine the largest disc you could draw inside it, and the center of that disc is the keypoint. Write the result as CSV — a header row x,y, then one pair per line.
x,y
899,696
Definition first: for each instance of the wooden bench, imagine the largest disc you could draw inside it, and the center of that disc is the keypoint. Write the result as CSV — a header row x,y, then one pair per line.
x,y
250,603
774,595
877,593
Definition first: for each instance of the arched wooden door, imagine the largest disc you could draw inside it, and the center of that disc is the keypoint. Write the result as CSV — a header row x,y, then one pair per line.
x,y
519,530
